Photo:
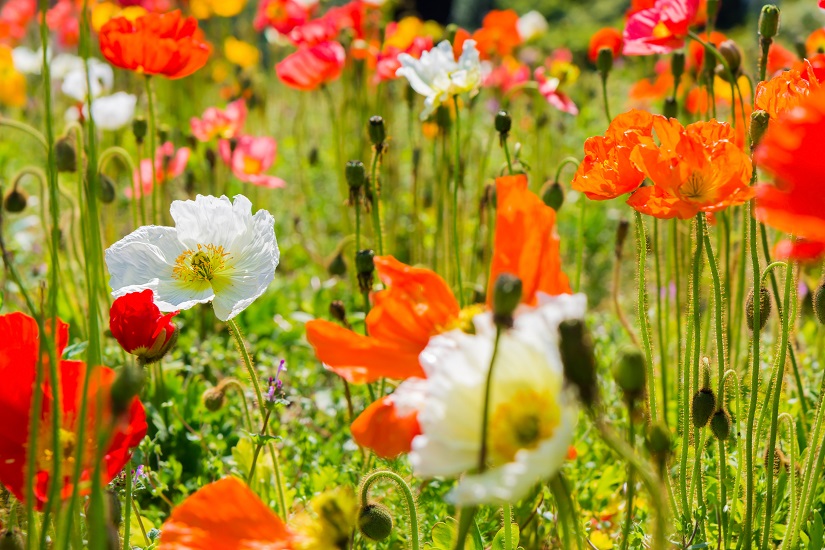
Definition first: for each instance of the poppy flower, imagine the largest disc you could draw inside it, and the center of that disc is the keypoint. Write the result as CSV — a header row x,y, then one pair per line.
x,y
661,28
220,123
605,38
507,74
169,163
815,43
791,150
243,54
786,90
499,33
800,250
531,25
18,365
140,328
15,16
654,89
549,88
780,58
64,20
698,168
225,514
165,44
12,82
282,15
310,67
607,171
204,9
389,425
250,158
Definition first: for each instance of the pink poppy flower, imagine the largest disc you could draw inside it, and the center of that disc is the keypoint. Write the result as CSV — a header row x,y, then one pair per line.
x,y
801,250
310,67
64,20
507,74
251,157
14,19
220,123
169,164
549,88
281,15
660,29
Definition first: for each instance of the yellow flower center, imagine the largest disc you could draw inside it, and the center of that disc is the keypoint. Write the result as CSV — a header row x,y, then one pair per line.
x,y
661,30
201,265
65,448
251,165
522,422
464,321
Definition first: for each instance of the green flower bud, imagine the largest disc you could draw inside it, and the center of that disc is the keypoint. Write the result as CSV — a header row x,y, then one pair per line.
x,y
211,158
375,521
163,134
213,398
11,539
733,56
503,122
377,131
553,195
677,65
670,108
15,200
506,298
604,61
126,386
65,155
313,157
337,266
704,403
629,372
720,424
365,267
769,21
658,440
819,302
578,360
356,174
107,188
765,305
139,129
759,125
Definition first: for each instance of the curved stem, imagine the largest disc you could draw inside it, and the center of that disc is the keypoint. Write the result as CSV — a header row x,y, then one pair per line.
x,y
456,184
23,127
565,161
412,510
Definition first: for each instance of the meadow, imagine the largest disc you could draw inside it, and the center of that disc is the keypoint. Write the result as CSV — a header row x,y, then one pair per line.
x,y
289,274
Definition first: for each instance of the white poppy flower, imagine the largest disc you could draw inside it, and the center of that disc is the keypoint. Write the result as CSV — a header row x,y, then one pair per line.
x,y
217,252
64,63
531,415
26,60
113,112
531,25
101,76
438,76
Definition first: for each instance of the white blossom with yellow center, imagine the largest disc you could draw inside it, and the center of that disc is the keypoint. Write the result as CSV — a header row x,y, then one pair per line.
x,y
531,415
217,252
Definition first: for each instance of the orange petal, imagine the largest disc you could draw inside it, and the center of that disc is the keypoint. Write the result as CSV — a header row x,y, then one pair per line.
x,y
381,428
526,242
224,515
654,201
361,359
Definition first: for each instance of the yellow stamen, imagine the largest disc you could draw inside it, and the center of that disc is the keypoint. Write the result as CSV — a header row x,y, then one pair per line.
x,y
522,422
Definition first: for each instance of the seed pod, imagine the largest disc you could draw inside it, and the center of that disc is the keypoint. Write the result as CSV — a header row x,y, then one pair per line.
x,y
629,372
553,195
720,424
338,312
764,308
759,125
356,174
506,298
213,398
578,359
139,129
671,108
11,539
375,521
769,21
704,403
819,302
733,56
377,131
15,201
365,267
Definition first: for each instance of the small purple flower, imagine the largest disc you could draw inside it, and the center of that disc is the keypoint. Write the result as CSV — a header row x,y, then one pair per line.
x,y
276,384
139,473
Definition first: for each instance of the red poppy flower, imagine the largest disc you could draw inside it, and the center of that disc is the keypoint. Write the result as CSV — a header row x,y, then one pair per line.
x,y
780,58
605,38
310,67
15,16
18,365
507,74
64,20
498,34
281,15
792,151
222,515
140,328
661,28
800,250
156,44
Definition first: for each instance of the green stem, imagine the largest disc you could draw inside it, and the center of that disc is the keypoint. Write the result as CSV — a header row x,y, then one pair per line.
x,y
488,390
412,510
127,525
565,161
605,99
375,191
660,318
507,154
580,242
23,127
456,185
644,326
507,516
264,430
631,483
747,531
152,150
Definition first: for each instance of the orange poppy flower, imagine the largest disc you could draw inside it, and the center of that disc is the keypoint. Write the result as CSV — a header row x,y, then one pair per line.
x,y
387,427
792,151
606,171
164,44
498,34
815,43
649,89
605,38
225,515
696,51
526,243
780,58
786,90
698,168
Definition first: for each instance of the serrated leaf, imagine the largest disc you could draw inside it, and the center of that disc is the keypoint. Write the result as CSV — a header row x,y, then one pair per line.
x,y
498,541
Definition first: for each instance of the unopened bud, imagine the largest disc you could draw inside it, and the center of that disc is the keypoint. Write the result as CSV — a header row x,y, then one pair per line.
x,y
506,297
11,539
677,65
819,302
356,174
553,195
621,236
211,158
139,129
629,373
65,155
670,108
604,61
578,360
704,403
365,267
759,124
765,305
720,424
338,312
313,156
375,521
377,131
503,122
769,21
107,188
337,266
213,398
163,133
15,201
733,56
658,440
443,118
126,386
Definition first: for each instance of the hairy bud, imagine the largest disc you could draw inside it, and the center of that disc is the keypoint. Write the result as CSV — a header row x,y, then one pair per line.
x,y
764,308
375,521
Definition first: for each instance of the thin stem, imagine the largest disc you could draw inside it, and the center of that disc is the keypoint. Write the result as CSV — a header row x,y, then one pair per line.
x,y
580,242
488,390
247,360
565,161
258,447
127,525
660,317
375,192
631,483
644,326
152,148
412,510
747,531
23,127
507,517
605,99
456,185
507,154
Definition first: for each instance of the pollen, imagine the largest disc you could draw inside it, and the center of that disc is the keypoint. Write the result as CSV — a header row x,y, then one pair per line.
x,y
464,321
201,265
522,422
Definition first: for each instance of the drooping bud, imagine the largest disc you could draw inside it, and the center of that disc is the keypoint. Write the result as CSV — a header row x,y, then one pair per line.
x,y
338,311
140,328
759,125
11,539
677,65
629,373
765,306
139,129
658,440
15,200
313,156
702,407
506,297
213,398
65,155
670,108
365,267
503,122
769,21
604,61
126,386
375,521
733,56
377,132
578,360
553,195
107,188
720,424
337,266
819,302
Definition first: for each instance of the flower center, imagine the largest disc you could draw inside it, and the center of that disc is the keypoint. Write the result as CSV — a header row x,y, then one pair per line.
x,y
201,265
464,321
526,419
696,188
46,448
251,165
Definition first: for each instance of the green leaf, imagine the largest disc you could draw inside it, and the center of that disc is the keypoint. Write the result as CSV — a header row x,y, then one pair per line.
x,y
498,541
74,350
444,534
816,532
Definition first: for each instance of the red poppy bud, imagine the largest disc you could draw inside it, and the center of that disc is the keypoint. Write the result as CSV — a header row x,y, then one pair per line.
x,y
140,328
